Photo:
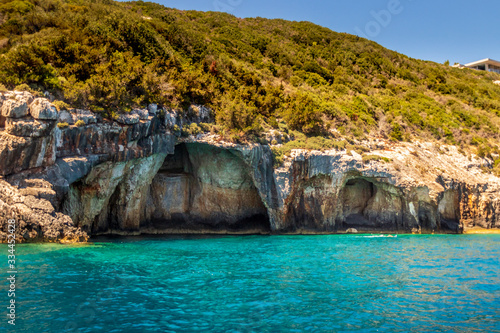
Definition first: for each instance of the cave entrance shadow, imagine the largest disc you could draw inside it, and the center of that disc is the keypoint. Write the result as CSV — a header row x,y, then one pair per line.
x,y
370,205
355,197
206,189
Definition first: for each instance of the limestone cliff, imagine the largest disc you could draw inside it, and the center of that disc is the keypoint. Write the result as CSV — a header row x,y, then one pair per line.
x,y
133,176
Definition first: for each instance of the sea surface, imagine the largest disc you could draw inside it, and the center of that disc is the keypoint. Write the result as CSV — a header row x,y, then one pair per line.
x,y
337,283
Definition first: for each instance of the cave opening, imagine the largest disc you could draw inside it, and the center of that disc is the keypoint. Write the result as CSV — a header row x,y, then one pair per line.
x,y
371,206
356,196
449,209
205,189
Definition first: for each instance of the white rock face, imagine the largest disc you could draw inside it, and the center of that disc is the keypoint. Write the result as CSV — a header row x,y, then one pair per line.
x,y
42,109
153,109
142,113
28,127
128,119
88,117
13,108
171,118
66,117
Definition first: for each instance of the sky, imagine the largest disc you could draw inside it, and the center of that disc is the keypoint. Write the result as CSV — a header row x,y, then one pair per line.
x,y
437,30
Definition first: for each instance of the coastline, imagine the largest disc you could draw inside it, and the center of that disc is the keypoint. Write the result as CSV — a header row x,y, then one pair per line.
x,y
184,233
478,231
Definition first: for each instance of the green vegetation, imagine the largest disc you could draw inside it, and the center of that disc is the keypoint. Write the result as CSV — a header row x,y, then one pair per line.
x,y
80,123
60,105
192,129
368,158
254,73
496,167
62,125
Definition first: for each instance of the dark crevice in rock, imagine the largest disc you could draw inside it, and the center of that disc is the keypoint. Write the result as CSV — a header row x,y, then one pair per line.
x,y
113,216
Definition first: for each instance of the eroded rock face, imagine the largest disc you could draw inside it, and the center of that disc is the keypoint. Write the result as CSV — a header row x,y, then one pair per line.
x,y
142,113
86,116
28,127
35,218
135,177
356,202
42,109
128,119
45,164
66,117
22,153
14,108
113,196
205,188
335,191
114,141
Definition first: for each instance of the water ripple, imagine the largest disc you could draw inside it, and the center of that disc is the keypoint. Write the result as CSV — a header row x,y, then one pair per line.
x,y
351,283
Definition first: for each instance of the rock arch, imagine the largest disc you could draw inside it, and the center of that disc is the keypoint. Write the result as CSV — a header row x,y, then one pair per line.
x,y
203,188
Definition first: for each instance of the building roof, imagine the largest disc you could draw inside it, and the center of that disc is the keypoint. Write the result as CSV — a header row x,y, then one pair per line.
x,y
484,61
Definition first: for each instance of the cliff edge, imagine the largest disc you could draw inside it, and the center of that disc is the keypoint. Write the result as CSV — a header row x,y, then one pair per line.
x,y
68,175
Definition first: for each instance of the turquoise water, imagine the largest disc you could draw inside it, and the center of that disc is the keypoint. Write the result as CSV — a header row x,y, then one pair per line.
x,y
338,283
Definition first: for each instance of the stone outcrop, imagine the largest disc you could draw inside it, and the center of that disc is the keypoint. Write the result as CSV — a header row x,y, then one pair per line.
x,y
14,108
134,176
42,109
28,127
47,163
128,119
35,218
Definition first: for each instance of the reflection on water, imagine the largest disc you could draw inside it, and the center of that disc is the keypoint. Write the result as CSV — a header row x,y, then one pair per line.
x,y
262,283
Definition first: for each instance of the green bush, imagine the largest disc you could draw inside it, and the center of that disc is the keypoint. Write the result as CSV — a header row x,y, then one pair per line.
x,y
62,125
194,129
185,131
396,133
23,87
60,105
369,158
205,127
80,123
302,113
254,73
484,151
278,156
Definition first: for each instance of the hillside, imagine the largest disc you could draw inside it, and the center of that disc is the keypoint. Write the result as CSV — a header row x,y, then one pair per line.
x,y
255,74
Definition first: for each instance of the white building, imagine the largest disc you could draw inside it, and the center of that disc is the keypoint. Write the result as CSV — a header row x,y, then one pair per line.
x,y
487,64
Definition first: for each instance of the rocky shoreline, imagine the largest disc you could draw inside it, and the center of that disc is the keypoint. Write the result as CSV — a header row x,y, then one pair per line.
x,y
68,175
